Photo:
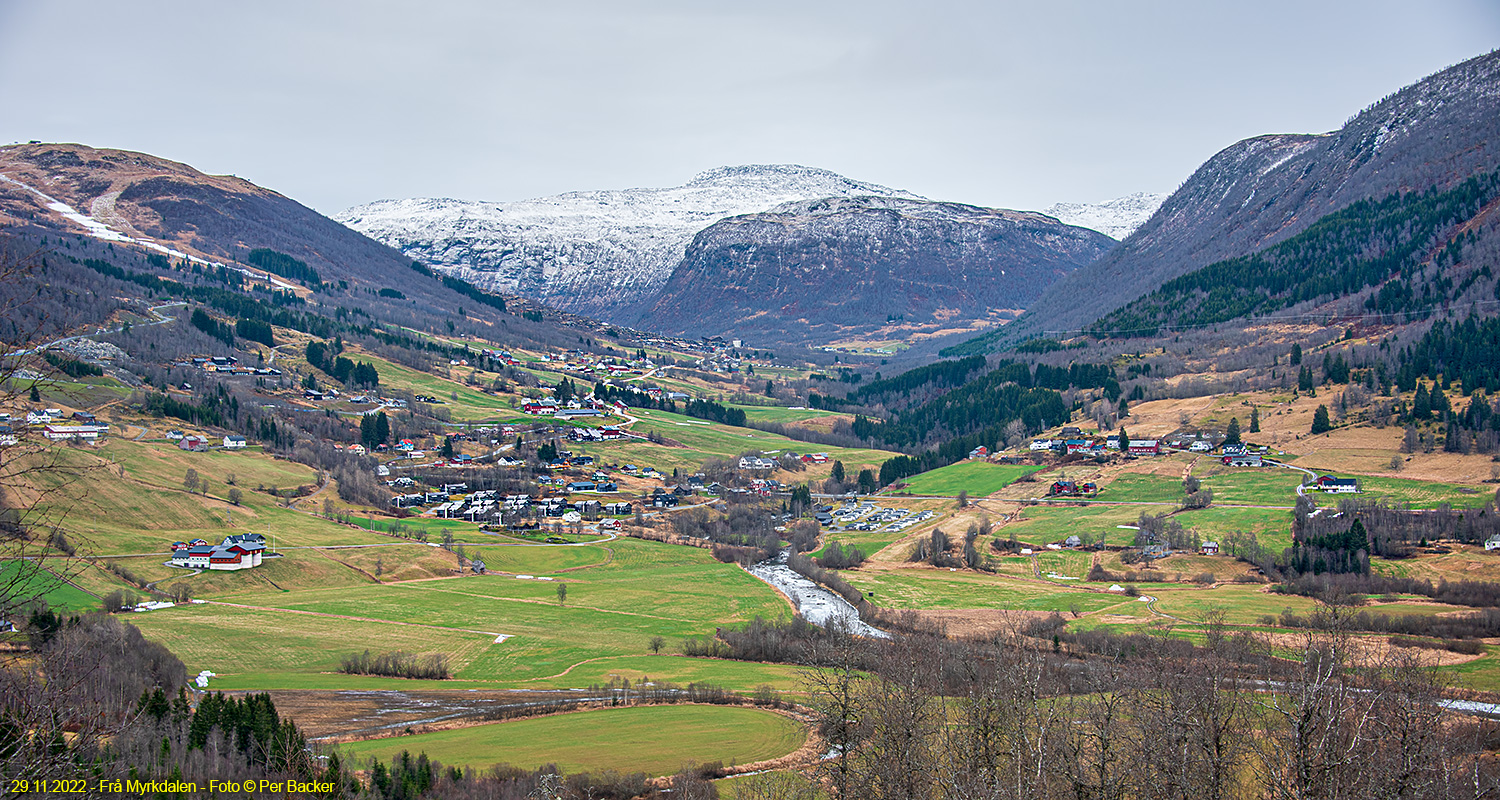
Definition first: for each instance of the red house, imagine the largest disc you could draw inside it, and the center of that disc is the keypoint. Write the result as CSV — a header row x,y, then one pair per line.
x,y
1145,447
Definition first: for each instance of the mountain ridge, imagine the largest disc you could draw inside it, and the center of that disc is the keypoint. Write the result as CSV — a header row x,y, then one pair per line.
x,y
600,252
830,269
1265,189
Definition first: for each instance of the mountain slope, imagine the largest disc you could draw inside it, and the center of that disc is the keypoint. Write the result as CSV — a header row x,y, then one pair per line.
x,y
1117,218
596,252
165,219
1260,191
830,269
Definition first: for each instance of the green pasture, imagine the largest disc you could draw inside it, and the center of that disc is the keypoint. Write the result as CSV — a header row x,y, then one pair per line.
x,y
931,589
615,609
657,740
1272,527
1040,525
1136,487
1267,486
979,478
1417,494
23,580
145,509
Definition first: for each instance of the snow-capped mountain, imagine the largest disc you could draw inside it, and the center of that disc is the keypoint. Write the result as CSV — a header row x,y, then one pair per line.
x,y
1115,218
600,253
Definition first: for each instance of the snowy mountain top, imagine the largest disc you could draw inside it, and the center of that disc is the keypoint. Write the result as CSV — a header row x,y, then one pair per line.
x,y
1116,218
709,196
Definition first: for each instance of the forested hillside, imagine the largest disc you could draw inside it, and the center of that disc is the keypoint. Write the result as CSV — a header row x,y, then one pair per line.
x,y
1409,239
1256,193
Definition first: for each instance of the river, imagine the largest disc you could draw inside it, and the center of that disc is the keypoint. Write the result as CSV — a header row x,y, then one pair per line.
x,y
815,603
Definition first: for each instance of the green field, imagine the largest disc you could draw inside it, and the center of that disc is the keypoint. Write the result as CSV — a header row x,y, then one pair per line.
x,y
1040,525
647,589
978,478
26,580
1419,494
1251,487
1138,488
657,740
927,588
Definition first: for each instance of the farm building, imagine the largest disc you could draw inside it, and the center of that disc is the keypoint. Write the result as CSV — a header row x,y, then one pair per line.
x,y
1332,485
1492,543
1243,460
233,442
1210,548
1145,447
235,552
74,432
1072,489
193,444
544,407
979,452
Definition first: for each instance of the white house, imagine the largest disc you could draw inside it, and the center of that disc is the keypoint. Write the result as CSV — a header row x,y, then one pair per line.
x,y
242,551
62,432
233,442
1492,543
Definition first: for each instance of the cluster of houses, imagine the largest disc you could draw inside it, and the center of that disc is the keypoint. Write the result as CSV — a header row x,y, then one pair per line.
x,y
240,551
80,426
1238,455
1066,488
489,506
194,443
1095,447
228,365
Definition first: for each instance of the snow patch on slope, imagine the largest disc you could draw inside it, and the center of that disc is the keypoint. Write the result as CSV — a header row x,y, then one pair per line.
x,y
1116,218
103,232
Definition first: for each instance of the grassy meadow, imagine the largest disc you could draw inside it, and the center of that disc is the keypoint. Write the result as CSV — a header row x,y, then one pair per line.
x,y
657,740
977,477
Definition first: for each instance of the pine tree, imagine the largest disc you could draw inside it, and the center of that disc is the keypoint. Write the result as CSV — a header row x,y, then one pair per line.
x,y
1320,422
1296,355
382,429
1421,403
1233,436
1124,440
1255,420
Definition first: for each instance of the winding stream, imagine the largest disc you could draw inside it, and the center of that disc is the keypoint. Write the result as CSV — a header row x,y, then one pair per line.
x,y
815,603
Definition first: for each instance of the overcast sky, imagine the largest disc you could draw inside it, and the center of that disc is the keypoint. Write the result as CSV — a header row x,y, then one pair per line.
x,y
1006,104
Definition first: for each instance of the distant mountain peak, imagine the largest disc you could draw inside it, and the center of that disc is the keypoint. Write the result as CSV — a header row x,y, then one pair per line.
x,y
1117,218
